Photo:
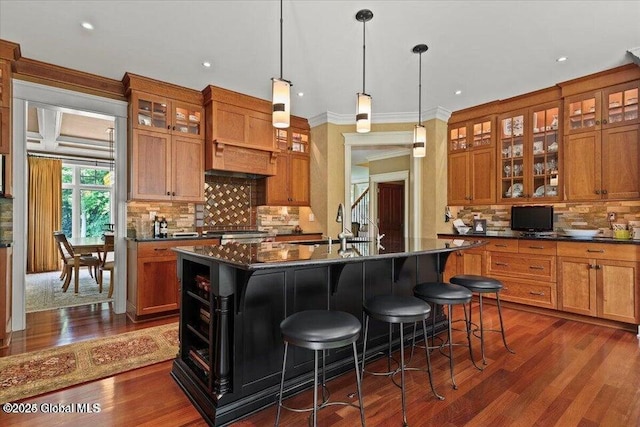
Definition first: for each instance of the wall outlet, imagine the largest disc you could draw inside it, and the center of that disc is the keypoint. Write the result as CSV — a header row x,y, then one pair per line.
x,y
152,215
312,217
611,216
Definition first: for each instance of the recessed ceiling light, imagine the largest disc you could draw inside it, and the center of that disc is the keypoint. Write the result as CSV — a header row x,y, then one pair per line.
x,y
561,59
301,94
206,64
87,25
458,92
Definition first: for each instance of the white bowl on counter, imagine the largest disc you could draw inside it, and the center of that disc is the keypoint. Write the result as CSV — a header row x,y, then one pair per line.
x,y
463,229
581,233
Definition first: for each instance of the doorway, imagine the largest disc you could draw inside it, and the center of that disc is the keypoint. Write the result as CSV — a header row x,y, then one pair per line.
x,y
25,95
391,214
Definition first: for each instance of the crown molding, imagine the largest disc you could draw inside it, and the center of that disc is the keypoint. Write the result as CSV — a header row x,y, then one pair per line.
x,y
439,113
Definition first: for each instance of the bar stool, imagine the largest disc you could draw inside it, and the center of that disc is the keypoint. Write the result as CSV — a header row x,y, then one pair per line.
x,y
483,285
320,330
439,293
398,309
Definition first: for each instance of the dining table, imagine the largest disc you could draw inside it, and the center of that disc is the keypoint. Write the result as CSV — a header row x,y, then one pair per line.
x,y
83,245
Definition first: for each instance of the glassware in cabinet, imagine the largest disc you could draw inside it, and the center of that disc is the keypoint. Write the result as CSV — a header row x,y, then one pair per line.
x,y
151,113
187,120
482,134
512,166
545,152
583,113
622,105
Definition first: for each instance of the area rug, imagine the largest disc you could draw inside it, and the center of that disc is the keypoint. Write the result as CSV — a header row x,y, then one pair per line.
x,y
31,374
43,291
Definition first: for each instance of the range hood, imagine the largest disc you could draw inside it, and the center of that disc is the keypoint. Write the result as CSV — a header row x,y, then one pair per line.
x,y
230,174
222,159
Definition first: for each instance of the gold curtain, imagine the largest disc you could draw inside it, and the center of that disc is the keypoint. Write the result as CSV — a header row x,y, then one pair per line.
x,y
45,214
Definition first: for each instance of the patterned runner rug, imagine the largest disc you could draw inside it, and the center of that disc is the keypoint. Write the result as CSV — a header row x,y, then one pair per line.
x,y
43,291
31,374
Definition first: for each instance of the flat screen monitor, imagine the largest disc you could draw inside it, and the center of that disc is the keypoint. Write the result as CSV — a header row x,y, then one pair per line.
x,y
532,219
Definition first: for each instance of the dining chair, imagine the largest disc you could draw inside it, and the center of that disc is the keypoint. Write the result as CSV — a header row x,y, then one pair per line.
x,y
105,263
68,258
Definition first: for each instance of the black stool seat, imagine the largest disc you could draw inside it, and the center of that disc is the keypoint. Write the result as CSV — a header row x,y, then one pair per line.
x,y
479,284
320,329
397,308
443,293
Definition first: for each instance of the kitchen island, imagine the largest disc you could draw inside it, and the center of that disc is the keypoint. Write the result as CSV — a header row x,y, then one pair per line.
x,y
234,296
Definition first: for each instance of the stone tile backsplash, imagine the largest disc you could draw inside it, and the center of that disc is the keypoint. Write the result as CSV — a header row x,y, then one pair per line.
x,y
566,215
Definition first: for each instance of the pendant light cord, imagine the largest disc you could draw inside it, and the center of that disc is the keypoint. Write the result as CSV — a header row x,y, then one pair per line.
x,y
281,39
364,48
420,91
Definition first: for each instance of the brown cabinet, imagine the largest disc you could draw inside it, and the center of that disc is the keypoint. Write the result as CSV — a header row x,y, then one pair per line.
x,y
5,84
5,295
468,261
166,141
529,150
600,280
290,186
471,162
298,237
239,136
5,131
152,282
602,149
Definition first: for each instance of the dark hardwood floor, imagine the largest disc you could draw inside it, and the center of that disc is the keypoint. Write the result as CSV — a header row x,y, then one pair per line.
x,y
564,373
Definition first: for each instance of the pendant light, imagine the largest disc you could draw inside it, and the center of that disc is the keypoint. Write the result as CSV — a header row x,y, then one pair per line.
x,y
420,132
363,106
280,90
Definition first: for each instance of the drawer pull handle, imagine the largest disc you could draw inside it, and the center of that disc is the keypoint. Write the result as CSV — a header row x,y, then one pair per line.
x,y
160,249
502,264
537,293
536,247
536,267
600,251
501,246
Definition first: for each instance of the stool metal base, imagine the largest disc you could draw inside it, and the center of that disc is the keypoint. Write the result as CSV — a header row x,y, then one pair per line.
x,y
482,330
313,417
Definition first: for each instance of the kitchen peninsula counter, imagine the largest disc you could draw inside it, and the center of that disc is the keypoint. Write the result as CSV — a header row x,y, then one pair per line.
x,y
234,296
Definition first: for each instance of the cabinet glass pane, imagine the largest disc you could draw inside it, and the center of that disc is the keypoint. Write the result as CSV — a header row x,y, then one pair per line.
x,y
512,155
187,120
458,138
482,133
299,142
152,114
281,139
582,114
545,152
623,106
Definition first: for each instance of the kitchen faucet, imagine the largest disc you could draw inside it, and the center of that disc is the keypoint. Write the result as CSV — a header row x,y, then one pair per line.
x,y
378,235
344,233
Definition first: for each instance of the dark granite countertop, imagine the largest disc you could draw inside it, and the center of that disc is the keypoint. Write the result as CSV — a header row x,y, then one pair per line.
x,y
553,236
168,239
5,244
255,256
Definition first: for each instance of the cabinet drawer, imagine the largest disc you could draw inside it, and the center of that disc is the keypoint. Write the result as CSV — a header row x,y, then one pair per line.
x,y
613,251
537,267
528,292
502,245
541,247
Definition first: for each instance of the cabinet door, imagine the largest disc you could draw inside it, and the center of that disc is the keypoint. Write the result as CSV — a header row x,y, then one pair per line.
x,y
482,133
512,150
187,120
299,179
458,180
582,113
187,181
5,131
150,112
621,162
157,285
582,166
278,184
457,138
618,291
482,176
577,285
542,169
228,123
150,166
620,105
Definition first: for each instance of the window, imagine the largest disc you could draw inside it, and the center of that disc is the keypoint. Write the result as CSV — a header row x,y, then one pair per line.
x,y
87,195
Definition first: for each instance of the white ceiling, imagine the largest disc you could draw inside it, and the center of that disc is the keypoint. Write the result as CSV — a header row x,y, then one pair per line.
x,y
488,49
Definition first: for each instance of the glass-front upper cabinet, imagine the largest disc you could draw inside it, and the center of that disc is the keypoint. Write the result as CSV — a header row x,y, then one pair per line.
x,y
474,134
512,148
187,119
610,107
621,104
545,152
150,112
299,141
